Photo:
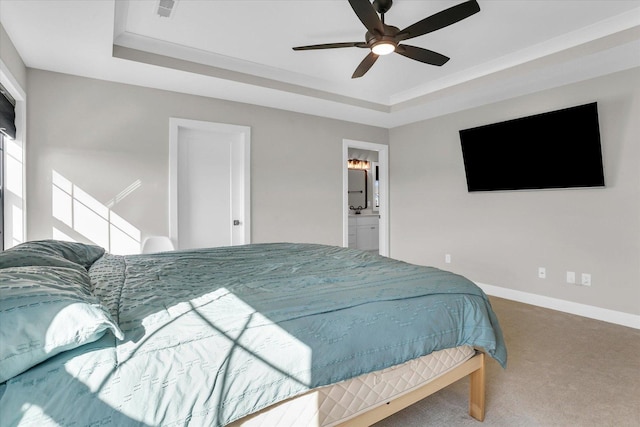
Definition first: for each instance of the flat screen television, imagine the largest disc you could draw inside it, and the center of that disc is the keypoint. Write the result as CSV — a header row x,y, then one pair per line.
x,y
558,149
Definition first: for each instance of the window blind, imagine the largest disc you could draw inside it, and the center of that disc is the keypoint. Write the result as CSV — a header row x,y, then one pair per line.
x,y
7,114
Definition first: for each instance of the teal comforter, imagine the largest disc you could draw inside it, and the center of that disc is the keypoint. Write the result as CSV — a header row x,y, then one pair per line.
x,y
212,335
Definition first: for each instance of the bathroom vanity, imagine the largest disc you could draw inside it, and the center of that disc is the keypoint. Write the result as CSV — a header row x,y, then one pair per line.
x,y
364,232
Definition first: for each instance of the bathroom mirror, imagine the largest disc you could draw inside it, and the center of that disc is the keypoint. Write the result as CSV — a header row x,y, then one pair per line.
x,y
357,189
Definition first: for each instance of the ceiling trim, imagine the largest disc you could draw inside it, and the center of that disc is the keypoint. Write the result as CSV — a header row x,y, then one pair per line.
x,y
607,55
603,29
616,52
598,49
147,57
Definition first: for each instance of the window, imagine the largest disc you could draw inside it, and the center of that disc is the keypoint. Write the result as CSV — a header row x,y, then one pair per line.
x,y
1,192
12,131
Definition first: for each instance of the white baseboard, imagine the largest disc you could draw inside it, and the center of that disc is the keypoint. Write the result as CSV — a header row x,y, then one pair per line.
x,y
611,316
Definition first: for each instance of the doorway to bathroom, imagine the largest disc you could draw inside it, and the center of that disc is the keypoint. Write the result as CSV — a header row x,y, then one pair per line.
x,y
370,213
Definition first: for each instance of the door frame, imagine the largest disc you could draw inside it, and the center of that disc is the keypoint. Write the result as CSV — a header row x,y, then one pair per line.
x,y
244,133
383,175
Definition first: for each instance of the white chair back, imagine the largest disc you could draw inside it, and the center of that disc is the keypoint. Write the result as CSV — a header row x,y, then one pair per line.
x,y
155,244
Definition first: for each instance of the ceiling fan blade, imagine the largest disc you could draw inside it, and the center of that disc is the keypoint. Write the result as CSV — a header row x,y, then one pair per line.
x,y
423,55
331,45
439,20
367,14
364,66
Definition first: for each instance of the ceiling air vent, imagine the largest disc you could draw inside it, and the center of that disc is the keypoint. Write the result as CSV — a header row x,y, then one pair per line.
x,y
165,7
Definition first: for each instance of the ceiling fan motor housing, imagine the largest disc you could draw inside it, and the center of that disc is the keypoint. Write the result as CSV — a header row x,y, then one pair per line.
x,y
388,37
382,6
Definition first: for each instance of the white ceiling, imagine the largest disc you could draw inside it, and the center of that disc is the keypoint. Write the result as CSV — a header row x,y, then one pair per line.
x,y
241,50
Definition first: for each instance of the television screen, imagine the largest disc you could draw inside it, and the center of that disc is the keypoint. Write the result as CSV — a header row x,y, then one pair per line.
x,y
558,149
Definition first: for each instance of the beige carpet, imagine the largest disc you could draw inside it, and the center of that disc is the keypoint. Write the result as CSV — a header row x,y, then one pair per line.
x,y
563,370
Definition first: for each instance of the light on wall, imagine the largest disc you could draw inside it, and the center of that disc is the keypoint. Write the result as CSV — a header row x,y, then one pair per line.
x,y
358,164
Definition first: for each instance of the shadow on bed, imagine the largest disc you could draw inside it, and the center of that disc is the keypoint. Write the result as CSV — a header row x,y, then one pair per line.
x,y
293,322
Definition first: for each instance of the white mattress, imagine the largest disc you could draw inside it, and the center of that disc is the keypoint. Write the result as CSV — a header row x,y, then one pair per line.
x,y
330,405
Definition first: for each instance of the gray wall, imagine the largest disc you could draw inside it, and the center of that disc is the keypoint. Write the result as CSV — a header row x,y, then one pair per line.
x,y
501,238
12,59
104,136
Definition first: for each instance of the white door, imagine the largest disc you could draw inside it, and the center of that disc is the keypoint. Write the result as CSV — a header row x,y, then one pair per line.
x,y
210,184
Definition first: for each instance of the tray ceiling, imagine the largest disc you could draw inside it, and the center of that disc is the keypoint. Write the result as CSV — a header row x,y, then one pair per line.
x,y
241,50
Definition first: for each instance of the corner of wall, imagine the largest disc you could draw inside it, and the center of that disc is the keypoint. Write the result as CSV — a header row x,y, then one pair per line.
x,y
11,60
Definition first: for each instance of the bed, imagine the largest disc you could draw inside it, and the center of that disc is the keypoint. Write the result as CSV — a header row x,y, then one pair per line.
x,y
231,336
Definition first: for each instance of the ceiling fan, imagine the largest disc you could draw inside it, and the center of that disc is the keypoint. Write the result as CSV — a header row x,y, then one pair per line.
x,y
383,39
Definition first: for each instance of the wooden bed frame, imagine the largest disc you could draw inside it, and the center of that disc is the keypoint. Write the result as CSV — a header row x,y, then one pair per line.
x,y
474,367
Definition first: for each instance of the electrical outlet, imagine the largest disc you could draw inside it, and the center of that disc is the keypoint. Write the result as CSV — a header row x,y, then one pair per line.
x,y
542,273
447,258
571,277
586,279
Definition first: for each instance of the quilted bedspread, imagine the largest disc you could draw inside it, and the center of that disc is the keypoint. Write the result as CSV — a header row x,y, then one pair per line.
x,y
212,335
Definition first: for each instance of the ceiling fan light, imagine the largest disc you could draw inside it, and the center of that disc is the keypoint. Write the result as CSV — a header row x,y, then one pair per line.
x,y
383,48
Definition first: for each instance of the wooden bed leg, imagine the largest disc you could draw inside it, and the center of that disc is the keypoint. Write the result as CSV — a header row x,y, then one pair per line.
x,y
476,391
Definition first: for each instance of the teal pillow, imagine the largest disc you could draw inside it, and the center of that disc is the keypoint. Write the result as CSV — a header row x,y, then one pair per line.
x,y
79,253
24,258
45,310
